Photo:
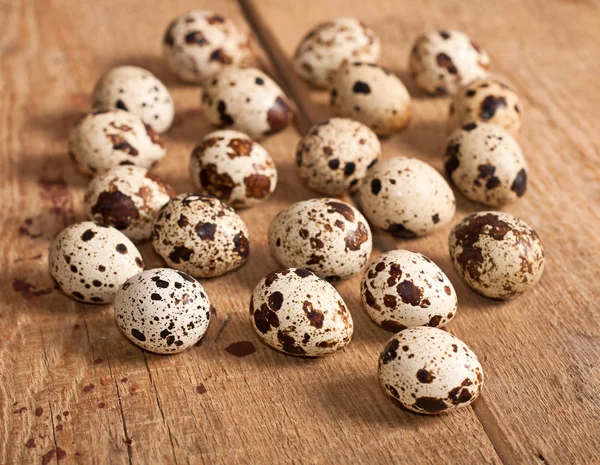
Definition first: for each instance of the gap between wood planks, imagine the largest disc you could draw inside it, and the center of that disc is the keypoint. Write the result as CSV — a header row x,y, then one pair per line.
x,y
303,120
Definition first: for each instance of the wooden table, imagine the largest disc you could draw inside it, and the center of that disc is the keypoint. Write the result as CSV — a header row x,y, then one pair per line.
x,y
74,390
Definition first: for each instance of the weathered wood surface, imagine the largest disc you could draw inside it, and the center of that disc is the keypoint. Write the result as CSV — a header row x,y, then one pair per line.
x,y
74,390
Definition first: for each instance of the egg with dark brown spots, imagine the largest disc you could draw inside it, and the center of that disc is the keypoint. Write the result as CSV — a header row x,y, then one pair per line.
x,y
138,91
372,95
231,166
298,313
486,164
430,371
497,254
406,197
200,235
444,61
89,261
104,139
326,236
401,289
334,156
162,310
331,43
246,100
487,101
199,43
127,198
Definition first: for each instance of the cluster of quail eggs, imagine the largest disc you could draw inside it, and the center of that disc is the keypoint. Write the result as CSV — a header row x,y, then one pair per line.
x,y
318,241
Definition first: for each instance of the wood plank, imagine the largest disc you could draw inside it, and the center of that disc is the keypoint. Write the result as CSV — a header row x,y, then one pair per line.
x,y
106,400
540,351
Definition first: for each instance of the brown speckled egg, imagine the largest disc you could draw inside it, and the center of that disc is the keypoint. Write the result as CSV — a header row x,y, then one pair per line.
x,y
488,101
445,61
297,313
137,90
104,139
198,44
430,371
200,235
90,261
335,155
497,254
402,289
162,310
406,197
486,164
246,100
332,43
372,95
326,236
127,198
231,166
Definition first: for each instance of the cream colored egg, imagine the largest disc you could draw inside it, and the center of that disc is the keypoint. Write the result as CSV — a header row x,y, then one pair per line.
x,y
497,254
430,371
326,236
406,197
372,95
297,313
231,166
331,43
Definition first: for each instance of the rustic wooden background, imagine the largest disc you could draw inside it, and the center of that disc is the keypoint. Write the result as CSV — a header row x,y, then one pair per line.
x,y
74,390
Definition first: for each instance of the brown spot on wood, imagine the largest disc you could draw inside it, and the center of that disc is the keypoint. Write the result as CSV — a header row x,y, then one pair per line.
x,y
258,186
30,443
240,349
200,389
27,290
88,388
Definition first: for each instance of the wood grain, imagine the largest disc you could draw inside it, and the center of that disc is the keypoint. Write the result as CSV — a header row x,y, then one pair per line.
x,y
74,390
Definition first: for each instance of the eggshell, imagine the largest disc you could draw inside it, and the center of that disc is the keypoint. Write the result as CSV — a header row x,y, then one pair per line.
x,y
430,371
497,254
199,43
297,313
331,43
402,289
487,101
246,100
335,155
104,139
445,61
127,198
486,163
138,91
406,197
326,236
372,95
89,261
200,235
231,166
162,310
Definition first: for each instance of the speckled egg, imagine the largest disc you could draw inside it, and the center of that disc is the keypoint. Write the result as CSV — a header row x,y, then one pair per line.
x,y
246,100
127,198
335,155
231,166
104,139
430,371
89,261
201,235
445,61
332,43
497,254
326,236
162,310
488,101
402,289
137,90
486,164
198,44
296,312
372,95
406,197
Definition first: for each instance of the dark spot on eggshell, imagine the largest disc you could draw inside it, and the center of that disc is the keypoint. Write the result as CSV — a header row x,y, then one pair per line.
x,y
169,38
470,93
161,183
240,147
215,19
220,56
121,105
469,126
519,185
354,239
278,116
361,87
138,335
79,295
315,316
349,169
452,161
434,321
116,209
490,105
460,394
392,325
258,186
121,144
410,294
444,61
242,245
445,35
180,254
226,119
87,235
275,300
390,352
341,208
389,301
430,404
218,184
121,248
435,218
185,276
334,163
288,344
375,186
196,38
265,319
303,273
205,231
425,376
